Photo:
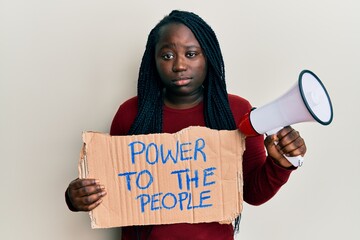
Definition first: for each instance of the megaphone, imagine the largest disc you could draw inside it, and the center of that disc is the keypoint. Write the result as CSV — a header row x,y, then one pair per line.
x,y
306,101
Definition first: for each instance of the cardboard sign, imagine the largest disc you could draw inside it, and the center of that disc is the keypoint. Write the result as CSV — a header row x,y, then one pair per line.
x,y
192,176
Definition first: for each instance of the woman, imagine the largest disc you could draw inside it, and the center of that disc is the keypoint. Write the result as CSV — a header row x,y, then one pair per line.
x,y
181,83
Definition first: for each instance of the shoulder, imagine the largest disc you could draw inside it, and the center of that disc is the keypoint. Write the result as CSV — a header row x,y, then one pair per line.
x,y
235,99
124,117
131,103
239,106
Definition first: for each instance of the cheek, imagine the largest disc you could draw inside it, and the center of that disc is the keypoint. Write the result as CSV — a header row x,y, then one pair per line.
x,y
203,69
163,73
161,67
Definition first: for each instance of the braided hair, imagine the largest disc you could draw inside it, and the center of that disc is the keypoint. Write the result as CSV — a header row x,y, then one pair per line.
x,y
217,112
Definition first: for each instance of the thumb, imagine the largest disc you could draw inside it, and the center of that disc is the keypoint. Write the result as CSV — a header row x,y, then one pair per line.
x,y
271,140
271,144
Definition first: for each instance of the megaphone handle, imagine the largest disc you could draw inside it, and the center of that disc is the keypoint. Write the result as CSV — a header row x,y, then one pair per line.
x,y
296,161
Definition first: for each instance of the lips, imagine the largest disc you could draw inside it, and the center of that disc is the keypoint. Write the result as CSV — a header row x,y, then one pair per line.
x,y
182,81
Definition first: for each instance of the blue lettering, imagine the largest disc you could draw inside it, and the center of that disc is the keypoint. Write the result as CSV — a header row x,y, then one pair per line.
x,y
174,200
133,152
143,202
208,172
178,172
151,179
203,198
194,179
148,153
189,207
182,197
153,151
184,151
199,146
169,201
127,175
155,199
169,154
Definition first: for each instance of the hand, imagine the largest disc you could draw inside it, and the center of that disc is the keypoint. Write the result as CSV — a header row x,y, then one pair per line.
x,y
85,194
286,142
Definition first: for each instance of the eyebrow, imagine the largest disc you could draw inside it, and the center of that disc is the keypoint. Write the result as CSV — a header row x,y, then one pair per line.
x,y
171,45
167,45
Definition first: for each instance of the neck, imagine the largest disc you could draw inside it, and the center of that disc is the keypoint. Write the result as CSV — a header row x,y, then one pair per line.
x,y
183,102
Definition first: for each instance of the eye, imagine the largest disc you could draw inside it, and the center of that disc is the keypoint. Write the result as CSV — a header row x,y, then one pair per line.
x,y
167,56
191,54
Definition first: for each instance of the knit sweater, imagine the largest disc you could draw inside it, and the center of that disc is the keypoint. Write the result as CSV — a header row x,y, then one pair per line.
x,y
262,177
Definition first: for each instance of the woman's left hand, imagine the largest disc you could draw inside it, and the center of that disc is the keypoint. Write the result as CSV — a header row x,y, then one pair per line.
x,y
286,142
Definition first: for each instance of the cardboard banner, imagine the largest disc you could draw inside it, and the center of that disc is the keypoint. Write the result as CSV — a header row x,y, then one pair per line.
x,y
191,176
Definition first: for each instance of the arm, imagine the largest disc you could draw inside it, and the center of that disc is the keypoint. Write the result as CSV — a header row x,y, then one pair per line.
x,y
86,194
264,175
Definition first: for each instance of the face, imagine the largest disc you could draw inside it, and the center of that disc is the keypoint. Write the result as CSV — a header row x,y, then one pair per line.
x,y
180,61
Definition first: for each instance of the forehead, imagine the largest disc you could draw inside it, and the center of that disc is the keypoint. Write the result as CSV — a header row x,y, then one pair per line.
x,y
173,33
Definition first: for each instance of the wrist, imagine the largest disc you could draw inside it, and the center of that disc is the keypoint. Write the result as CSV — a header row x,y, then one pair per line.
x,y
283,162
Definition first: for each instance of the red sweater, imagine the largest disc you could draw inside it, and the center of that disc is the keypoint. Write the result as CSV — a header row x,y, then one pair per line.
x,y
262,177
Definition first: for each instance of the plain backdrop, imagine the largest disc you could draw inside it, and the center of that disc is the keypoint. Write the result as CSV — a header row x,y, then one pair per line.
x,y
66,65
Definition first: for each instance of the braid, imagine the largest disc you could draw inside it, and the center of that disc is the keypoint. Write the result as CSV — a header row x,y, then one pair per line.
x,y
217,110
149,117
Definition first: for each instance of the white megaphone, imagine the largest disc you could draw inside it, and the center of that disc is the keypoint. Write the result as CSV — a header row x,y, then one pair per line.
x,y
306,101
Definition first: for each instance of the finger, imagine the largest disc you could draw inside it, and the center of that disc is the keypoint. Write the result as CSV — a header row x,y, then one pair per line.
x,y
288,136
92,206
87,203
284,131
271,146
270,139
295,148
300,151
80,183
84,202
89,190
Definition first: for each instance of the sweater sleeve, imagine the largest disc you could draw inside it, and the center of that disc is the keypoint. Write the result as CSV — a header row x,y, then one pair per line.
x,y
124,117
262,176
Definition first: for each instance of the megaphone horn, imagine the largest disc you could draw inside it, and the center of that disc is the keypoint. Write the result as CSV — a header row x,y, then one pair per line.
x,y
306,101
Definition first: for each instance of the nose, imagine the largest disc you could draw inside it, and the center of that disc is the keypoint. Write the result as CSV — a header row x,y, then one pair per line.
x,y
179,64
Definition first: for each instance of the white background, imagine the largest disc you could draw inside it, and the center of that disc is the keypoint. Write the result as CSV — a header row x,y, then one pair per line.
x,y
66,65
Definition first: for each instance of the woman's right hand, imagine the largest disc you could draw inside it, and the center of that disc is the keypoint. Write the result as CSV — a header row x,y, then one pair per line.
x,y
85,194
